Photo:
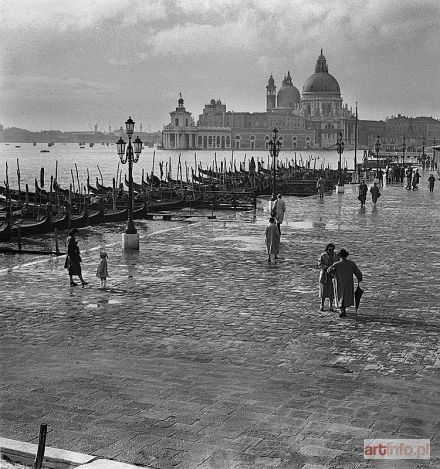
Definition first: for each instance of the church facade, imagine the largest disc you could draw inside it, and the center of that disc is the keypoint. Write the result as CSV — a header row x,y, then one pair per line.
x,y
308,120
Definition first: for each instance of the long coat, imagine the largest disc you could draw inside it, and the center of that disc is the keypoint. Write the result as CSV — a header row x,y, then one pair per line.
x,y
326,279
272,239
374,194
363,189
320,185
280,207
73,259
343,271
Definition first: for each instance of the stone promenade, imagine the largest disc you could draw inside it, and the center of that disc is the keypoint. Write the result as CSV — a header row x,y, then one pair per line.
x,y
201,354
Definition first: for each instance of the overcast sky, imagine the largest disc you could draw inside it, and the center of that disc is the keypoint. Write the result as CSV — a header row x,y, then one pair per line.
x,y
68,64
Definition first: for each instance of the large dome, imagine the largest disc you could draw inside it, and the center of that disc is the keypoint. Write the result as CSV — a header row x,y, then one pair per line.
x,y
321,81
288,96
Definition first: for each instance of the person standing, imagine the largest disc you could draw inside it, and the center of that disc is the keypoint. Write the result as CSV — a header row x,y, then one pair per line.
x,y
408,177
326,259
272,238
380,177
431,181
375,194
73,259
343,271
278,209
415,180
102,270
320,185
363,189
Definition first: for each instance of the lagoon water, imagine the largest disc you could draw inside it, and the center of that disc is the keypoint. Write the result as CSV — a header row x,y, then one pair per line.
x,y
30,160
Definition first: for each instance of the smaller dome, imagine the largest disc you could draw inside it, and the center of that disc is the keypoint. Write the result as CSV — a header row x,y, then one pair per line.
x,y
212,101
288,96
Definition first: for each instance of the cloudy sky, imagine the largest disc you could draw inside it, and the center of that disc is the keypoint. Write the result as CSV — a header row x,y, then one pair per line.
x,y
70,64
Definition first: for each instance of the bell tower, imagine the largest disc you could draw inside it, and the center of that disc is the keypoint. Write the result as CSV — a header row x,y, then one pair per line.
x,y
271,93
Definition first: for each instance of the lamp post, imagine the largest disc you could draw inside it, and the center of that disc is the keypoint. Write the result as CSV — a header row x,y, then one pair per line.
x,y
130,156
340,149
423,151
377,148
403,151
274,149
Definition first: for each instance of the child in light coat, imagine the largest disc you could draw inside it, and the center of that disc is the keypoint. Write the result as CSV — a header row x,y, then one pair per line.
x,y
102,271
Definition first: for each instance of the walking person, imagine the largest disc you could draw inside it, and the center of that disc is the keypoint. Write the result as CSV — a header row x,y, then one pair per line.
x,y
326,259
415,180
343,271
375,193
272,239
320,185
102,270
363,189
278,209
431,181
73,259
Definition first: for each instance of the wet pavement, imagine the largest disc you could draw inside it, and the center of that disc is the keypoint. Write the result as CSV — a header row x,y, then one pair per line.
x,y
201,354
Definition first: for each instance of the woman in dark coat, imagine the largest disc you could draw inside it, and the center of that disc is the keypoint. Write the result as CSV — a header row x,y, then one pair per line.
x,y
73,259
363,189
375,194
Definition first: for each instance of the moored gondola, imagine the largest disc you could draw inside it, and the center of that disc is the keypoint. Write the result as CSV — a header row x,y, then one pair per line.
x,y
5,232
26,229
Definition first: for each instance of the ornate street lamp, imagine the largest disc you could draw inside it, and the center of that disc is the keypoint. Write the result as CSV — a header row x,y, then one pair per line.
x,y
403,151
340,149
274,149
131,155
377,148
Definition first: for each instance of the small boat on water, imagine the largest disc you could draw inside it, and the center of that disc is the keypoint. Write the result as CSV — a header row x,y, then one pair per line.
x,y
5,232
44,151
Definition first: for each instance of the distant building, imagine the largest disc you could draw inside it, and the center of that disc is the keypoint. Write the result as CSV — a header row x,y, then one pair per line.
x,y
181,133
393,129
311,120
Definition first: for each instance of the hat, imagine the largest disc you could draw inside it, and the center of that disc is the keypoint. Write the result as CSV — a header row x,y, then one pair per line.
x,y
103,254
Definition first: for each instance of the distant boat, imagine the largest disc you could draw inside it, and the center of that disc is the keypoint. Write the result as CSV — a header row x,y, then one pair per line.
x,y
91,145
44,151
35,144
82,147
50,144
17,146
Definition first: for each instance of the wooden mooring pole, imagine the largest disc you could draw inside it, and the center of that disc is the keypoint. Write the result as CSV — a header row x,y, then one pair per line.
x,y
41,447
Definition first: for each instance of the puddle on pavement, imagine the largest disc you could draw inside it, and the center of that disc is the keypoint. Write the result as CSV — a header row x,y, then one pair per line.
x,y
247,243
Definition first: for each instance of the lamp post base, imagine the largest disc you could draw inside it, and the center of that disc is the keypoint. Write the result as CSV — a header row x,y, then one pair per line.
x,y
130,241
339,188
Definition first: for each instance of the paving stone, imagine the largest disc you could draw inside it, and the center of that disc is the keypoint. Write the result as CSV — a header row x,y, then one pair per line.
x,y
201,353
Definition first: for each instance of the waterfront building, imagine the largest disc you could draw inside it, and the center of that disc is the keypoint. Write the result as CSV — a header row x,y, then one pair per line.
x,y
312,119
181,133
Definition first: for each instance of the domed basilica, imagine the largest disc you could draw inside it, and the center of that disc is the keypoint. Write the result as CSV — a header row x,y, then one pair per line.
x,y
311,119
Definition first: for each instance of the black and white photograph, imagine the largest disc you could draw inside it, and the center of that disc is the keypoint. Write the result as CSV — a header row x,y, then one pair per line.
x,y
219,234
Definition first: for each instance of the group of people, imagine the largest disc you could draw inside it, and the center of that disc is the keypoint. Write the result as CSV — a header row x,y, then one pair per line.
x,y
336,271
336,279
363,191
273,229
73,262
